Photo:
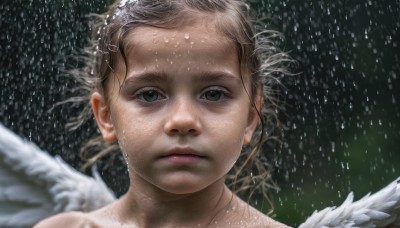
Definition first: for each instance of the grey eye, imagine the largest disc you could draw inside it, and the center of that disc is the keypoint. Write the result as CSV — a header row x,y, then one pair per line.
x,y
213,95
150,96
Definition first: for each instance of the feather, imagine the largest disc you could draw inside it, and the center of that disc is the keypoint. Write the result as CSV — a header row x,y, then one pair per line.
x,y
34,185
381,209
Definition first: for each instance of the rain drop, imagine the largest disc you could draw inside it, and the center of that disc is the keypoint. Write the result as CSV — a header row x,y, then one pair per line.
x,y
186,36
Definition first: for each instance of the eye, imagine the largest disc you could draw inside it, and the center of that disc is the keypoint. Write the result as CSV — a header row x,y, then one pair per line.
x,y
216,94
213,95
150,96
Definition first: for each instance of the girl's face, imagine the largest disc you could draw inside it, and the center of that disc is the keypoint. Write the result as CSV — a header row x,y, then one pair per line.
x,y
182,114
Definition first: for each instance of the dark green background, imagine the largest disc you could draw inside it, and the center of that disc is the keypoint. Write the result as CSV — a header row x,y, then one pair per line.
x,y
342,111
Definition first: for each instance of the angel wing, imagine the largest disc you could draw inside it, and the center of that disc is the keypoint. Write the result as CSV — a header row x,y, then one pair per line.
x,y
381,209
34,185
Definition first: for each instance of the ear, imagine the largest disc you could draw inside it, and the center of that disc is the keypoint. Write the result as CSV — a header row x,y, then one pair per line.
x,y
102,115
254,119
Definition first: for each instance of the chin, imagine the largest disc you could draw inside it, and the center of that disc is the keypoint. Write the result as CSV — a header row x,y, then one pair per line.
x,y
183,188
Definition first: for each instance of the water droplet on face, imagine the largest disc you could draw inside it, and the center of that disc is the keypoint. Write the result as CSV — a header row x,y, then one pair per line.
x,y
186,36
122,140
126,157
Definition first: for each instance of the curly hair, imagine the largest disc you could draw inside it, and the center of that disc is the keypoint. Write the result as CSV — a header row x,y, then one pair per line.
x,y
261,59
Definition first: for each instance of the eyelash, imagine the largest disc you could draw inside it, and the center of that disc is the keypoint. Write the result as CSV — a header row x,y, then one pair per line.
x,y
223,94
139,95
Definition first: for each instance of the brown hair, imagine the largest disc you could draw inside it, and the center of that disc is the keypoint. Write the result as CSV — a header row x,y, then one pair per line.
x,y
258,56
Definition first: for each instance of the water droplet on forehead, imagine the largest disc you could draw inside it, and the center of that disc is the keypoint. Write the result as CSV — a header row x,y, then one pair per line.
x,y
186,36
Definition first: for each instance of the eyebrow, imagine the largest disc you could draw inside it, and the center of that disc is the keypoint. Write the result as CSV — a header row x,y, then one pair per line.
x,y
216,76
162,77
148,77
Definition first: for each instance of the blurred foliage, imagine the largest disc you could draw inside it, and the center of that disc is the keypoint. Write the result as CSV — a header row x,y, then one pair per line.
x,y
342,111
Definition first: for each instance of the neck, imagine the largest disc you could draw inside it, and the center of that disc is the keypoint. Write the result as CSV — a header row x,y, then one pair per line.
x,y
149,206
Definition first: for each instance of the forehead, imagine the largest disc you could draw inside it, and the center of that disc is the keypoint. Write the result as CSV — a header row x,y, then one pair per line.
x,y
195,49
196,36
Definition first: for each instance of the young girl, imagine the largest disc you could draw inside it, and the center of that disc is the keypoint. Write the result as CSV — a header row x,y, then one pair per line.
x,y
184,87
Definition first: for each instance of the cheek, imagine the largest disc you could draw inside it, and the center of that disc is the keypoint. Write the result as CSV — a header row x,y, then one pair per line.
x,y
230,138
134,148
233,128
134,137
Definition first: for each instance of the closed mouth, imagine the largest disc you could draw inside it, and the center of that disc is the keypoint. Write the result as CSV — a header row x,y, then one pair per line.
x,y
183,155
183,152
183,159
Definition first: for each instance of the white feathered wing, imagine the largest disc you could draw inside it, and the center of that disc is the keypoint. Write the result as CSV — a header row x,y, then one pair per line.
x,y
34,185
382,209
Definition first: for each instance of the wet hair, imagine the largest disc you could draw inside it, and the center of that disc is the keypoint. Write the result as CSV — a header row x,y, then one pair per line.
x,y
262,64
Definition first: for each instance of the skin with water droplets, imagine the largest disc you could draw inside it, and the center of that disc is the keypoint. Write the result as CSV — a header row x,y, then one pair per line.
x,y
186,36
180,123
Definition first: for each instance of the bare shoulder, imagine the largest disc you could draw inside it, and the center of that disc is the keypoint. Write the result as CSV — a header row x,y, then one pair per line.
x,y
259,219
65,220
247,216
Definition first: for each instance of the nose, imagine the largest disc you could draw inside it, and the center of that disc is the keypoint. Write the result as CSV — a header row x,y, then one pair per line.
x,y
183,119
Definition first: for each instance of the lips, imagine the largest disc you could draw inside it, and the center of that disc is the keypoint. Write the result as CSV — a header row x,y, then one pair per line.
x,y
183,156
183,152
